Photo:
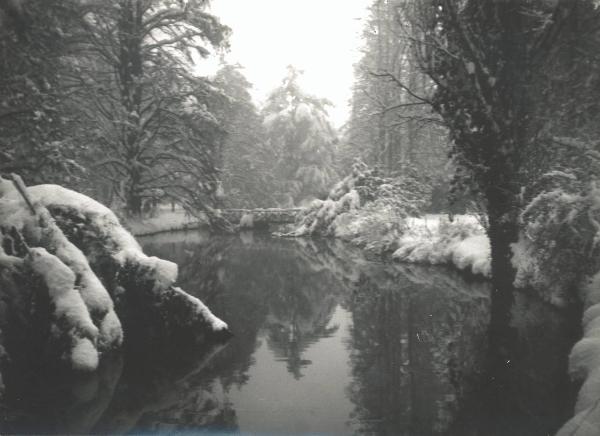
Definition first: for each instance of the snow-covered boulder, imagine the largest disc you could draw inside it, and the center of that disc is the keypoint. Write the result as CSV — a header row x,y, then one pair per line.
x,y
75,284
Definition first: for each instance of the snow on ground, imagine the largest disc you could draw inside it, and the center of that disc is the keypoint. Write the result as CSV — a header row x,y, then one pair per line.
x,y
382,215
435,240
165,220
201,309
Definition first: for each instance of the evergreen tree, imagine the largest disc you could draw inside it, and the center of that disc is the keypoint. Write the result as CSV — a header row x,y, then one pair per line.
x,y
247,168
302,141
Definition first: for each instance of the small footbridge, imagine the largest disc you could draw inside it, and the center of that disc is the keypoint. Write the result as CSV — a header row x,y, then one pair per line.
x,y
254,218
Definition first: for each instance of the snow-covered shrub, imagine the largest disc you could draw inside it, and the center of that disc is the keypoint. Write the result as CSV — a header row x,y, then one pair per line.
x,y
82,320
558,254
461,242
70,275
558,245
365,205
376,226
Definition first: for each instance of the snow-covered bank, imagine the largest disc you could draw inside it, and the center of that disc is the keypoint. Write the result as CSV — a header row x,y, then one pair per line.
x,y
165,220
380,215
584,364
68,268
436,240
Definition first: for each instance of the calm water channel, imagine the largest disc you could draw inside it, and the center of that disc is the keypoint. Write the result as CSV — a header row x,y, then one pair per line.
x,y
325,342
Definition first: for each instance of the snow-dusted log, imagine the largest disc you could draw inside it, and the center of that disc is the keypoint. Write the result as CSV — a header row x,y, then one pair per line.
x,y
75,283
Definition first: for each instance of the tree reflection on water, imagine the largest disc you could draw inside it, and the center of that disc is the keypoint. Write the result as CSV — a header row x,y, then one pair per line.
x,y
410,342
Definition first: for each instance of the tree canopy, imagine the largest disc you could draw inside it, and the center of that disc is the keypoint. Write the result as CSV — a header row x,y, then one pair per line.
x,y
301,139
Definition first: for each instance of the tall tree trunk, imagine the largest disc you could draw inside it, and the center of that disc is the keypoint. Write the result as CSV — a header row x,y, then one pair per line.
x,y
133,195
130,75
503,230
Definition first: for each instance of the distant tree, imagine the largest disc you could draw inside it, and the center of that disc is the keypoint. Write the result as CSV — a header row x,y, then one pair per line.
x,y
302,140
392,126
146,112
247,169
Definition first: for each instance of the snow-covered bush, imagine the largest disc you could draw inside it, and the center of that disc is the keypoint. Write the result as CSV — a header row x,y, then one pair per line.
x,y
77,283
558,254
364,205
376,226
558,245
439,241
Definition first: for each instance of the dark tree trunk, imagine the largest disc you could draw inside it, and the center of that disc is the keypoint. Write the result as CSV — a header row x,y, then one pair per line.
x,y
503,230
130,76
133,197
502,233
134,203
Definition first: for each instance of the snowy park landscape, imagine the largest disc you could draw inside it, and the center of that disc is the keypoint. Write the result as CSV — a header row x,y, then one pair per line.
x,y
284,217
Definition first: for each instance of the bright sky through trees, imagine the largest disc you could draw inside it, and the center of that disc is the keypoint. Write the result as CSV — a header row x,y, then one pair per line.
x,y
321,37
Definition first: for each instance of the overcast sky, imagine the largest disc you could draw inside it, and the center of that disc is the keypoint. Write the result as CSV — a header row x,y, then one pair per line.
x,y
321,37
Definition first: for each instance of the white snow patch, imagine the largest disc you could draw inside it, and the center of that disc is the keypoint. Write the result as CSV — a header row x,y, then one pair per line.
x,y
163,271
303,113
201,309
436,240
166,220
125,247
111,332
60,281
68,304
247,221
473,252
84,355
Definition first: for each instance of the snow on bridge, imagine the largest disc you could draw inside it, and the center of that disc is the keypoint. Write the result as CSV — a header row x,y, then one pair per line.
x,y
249,218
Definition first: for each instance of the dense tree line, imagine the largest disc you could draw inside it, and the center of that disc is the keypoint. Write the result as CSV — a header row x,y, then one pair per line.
x,y
102,96
392,126
282,154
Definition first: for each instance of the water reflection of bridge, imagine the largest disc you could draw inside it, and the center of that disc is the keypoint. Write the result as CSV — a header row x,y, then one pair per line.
x,y
252,218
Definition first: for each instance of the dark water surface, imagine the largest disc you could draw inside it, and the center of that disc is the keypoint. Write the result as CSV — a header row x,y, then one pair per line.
x,y
325,342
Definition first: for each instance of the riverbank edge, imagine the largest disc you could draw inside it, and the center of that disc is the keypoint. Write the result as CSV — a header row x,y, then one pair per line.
x,y
584,359
164,222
